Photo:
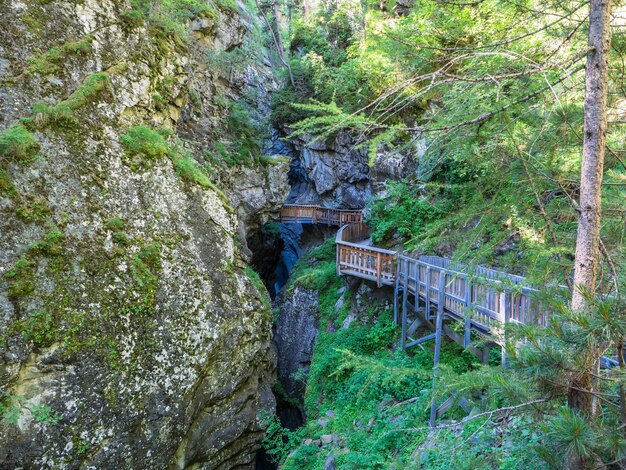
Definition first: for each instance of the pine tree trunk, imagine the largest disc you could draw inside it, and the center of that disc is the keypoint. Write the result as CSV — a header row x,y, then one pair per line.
x,y
596,85
588,237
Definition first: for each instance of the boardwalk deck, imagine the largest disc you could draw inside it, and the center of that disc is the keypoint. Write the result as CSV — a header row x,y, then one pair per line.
x,y
429,290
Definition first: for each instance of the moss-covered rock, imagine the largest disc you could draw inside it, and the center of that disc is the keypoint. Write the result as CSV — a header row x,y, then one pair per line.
x,y
128,320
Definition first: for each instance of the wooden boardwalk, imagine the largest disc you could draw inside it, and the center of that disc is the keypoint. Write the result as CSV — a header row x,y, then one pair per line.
x,y
429,290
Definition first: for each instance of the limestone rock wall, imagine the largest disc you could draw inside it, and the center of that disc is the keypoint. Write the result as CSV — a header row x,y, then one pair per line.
x,y
132,334
336,172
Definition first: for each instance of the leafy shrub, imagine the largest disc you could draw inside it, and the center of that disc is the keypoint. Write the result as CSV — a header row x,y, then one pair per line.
x,y
401,212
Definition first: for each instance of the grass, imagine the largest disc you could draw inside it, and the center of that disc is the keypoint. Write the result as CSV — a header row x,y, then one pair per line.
x,y
145,143
63,113
51,61
18,143
260,287
169,17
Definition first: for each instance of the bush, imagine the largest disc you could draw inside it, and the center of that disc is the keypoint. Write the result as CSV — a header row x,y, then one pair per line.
x,y
402,213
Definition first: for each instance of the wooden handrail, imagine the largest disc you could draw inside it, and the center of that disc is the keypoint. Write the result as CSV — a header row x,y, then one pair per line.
x,y
494,297
314,214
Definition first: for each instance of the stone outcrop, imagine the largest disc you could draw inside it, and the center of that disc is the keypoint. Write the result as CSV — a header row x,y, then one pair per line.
x,y
132,333
335,172
296,332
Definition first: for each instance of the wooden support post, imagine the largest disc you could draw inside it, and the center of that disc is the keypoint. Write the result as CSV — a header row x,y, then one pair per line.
x,y
507,315
467,336
438,331
405,295
427,306
416,306
395,295
378,270
485,355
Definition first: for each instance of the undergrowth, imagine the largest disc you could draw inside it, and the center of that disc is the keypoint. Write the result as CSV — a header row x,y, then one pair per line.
x,y
367,402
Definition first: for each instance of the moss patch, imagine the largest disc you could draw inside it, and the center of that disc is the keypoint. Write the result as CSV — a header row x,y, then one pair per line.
x,y
51,61
18,143
63,114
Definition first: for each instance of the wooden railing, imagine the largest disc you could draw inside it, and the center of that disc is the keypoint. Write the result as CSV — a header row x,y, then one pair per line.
x,y
482,298
367,262
312,214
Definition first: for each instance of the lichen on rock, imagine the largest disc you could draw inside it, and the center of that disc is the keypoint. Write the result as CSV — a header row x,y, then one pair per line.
x,y
131,333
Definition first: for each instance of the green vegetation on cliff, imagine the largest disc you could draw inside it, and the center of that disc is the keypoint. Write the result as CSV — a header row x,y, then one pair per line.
x,y
488,99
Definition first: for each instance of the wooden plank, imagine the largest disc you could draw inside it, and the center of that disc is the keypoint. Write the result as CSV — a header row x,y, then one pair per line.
x,y
421,340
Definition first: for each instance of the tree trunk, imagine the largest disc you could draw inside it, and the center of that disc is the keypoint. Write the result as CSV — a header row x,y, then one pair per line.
x,y
588,238
594,141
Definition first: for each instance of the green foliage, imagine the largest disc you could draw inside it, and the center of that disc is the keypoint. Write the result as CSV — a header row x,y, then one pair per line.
x,y
117,226
6,185
51,61
278,441
400,212
18,143
51,245
145,142
38,327
145,267
34,209
21,278
169,17
259,286
12,406
63,114
188,170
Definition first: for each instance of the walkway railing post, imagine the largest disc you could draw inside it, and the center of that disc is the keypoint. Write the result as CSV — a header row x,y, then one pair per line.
x,y
395,294
405,295
468,319
507,315
438,332
427,311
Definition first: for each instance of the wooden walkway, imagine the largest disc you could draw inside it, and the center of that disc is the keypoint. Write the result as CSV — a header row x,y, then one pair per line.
x,y
429,290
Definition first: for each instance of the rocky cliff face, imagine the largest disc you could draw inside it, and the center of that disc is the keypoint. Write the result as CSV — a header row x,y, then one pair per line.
x,y
132,333
336,172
